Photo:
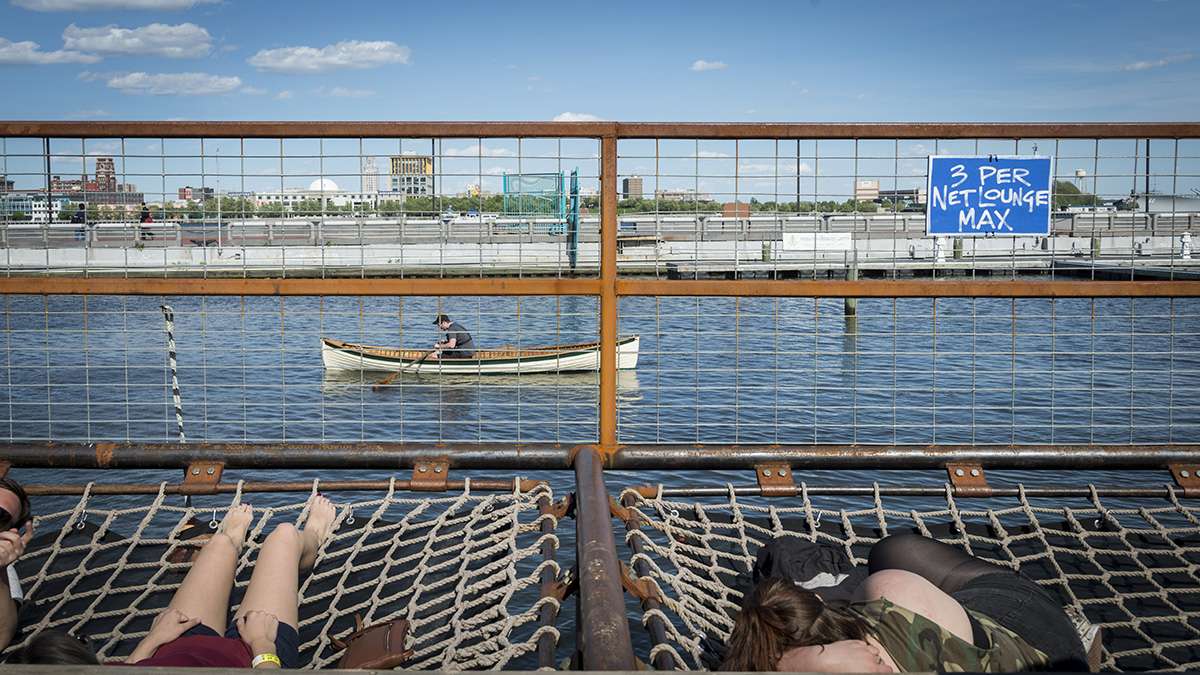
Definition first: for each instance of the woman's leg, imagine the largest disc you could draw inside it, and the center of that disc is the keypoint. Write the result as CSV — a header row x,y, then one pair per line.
x,y
275,582
945,566
204,593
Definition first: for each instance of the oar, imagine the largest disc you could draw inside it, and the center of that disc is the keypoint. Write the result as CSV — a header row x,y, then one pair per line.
x,y
388,380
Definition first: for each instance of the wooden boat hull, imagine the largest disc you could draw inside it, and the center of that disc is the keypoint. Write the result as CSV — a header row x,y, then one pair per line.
x,y
338,355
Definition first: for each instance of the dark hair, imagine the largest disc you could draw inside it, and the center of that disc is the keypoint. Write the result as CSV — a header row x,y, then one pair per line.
x,y
441,319
56,647
22,517
778,616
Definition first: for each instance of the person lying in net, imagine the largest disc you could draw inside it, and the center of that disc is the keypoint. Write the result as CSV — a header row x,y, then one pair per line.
x,y
192,630
15,514
925,606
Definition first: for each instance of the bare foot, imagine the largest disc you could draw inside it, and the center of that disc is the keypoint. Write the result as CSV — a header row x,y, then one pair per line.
x,y
321,514
236,523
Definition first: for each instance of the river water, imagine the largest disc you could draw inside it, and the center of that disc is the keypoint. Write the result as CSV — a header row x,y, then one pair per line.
x,y
716,370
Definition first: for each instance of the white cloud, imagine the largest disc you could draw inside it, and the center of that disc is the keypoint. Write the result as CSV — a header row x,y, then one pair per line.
x,y
1156,63
84,5
576,117
346,54
252,91
184,40
284,95
28,53
700,65
709,154
478,151
345,92
175,84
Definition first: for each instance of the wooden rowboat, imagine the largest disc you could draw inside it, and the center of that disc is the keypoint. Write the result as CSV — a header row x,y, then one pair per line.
x,y
339,355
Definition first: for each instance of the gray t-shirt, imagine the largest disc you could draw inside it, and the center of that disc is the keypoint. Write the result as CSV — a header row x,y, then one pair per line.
x,y
462,339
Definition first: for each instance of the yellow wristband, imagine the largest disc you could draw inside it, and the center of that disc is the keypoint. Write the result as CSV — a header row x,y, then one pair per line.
x,y
266,658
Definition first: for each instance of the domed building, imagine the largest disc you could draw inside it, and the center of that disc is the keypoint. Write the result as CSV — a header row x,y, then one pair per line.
x,y
322,191
323,185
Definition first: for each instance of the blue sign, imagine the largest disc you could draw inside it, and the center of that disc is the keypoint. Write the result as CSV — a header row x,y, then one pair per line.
x,y
988,196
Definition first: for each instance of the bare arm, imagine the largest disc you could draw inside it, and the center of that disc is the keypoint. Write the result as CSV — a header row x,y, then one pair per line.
x,y
8,611
12,546
916,594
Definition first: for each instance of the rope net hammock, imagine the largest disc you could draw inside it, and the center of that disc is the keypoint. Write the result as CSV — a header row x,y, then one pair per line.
x,y
464,569
1130,567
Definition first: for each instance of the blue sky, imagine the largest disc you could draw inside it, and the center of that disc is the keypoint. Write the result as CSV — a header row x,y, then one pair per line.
x,y
1131,60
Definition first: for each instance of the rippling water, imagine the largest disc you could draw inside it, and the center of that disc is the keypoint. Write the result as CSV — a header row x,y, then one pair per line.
x,y
716,370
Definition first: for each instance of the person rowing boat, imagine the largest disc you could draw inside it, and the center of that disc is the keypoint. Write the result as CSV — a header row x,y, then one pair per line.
x,y
456,345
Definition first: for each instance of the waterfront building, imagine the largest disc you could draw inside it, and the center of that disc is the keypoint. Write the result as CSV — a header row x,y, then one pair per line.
x,y
412,175
735,210
31,206
6,185
106,175
684,195
188,192
915,196
631,187
323,191
370,176
866,190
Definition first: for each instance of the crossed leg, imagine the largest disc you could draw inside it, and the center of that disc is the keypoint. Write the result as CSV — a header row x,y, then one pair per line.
x,y
275,582
205,590
945,566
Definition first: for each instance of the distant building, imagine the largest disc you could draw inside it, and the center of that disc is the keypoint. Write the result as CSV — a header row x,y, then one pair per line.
x,y
631,187
735,210
106,175
370,176
412,175
104,190
1169,203
324,191
684,195
866,190
915,196
32,206
5,184
58,184
188,192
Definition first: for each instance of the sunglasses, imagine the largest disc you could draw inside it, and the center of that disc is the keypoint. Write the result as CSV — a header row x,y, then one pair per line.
x,y
8,520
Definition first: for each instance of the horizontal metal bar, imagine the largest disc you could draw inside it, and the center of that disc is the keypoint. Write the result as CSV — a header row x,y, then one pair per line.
x,y
902,130
346,129
486,485
531,456
37,285
921,288
508,286
236,129
650,491
813,457
399,455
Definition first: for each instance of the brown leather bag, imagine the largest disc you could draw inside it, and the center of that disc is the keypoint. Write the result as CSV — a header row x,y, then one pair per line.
x,y
376,647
